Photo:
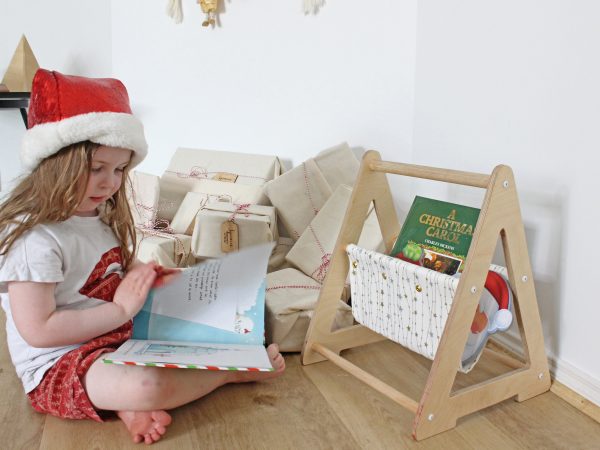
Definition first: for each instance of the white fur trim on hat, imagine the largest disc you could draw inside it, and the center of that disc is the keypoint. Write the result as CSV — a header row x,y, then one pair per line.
x,y
105,128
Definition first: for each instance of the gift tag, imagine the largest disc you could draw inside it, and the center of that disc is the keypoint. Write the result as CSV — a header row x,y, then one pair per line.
x,y
229,236
226,176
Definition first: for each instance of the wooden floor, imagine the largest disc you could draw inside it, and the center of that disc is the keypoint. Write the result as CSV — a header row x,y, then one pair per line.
x,y
312,407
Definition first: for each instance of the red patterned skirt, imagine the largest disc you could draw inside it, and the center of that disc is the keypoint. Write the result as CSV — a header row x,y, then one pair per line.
x,y
61,392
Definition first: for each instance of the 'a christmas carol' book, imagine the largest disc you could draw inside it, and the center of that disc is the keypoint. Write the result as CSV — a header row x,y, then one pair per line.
x,y
209,317
436,235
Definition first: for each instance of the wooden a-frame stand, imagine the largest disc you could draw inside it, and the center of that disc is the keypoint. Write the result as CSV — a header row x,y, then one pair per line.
x,y
500,216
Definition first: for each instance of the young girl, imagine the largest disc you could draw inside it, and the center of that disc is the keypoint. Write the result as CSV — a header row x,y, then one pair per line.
x,y
68,280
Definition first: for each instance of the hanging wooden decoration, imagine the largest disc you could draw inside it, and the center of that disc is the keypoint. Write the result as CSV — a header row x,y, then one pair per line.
x,y
312,6
22,68
209,7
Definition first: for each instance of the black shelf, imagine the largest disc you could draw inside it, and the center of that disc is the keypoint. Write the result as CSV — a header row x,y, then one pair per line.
x,y
18,100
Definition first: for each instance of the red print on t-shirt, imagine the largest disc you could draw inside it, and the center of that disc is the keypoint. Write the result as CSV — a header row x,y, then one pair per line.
x,y
99,284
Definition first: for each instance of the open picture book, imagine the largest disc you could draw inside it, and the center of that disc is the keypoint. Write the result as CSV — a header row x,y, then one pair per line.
x,y
210,317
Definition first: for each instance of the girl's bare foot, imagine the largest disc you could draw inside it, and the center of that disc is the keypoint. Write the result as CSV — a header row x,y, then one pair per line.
x,y
149,426
145,426
277,362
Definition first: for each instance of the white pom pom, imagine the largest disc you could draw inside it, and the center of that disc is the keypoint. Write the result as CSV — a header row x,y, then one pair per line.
x,y
501,321
175,11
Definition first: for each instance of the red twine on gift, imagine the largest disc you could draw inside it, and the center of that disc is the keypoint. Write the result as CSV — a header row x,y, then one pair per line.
x,y
163,225
161,228
202,173
194,172
308,194
224,198
307,184
240,209
148,222
321,271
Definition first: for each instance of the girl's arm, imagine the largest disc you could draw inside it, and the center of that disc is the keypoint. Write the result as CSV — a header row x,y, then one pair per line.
x,y
34,310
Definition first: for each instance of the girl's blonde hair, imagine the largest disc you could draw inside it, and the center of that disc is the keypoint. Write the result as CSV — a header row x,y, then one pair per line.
x,y
53,191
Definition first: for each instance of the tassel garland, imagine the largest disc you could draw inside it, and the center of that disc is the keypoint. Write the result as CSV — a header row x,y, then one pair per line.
x,y
175,11
312,6
210,7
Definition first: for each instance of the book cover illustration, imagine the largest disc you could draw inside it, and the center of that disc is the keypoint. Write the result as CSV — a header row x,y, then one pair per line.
x,y
436,235
210,317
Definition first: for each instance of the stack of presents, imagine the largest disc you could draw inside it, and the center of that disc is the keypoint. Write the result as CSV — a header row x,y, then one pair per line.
x,y
208,203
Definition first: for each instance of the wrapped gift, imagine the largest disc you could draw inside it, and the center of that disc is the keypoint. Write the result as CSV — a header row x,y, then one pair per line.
x,y
168,250
298,196
239,176
312,252
143,198
277,260
222,227
339,165
183,221
291,297
172,194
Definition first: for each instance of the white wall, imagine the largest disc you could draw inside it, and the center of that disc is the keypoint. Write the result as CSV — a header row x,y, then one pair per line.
x,y
66,35
270,80
516,82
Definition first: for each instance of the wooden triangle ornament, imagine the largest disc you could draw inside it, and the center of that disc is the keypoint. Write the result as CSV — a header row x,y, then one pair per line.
x,y
22,68
439,408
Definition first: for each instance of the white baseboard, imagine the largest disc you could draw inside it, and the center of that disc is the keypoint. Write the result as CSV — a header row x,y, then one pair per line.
x,y
566,373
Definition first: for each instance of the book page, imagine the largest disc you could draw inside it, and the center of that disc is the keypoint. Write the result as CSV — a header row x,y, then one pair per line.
x,y
211,293
191,355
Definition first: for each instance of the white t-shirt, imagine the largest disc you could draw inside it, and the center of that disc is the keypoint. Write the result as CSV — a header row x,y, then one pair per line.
x,y
82,256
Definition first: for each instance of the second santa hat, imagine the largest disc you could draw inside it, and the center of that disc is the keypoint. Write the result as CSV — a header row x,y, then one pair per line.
x,y
66,109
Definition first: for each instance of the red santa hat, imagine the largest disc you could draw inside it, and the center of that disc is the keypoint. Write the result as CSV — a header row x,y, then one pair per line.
x,y
66,109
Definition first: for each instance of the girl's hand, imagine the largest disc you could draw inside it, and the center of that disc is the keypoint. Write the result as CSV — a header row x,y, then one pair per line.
x,y
133,290
164,275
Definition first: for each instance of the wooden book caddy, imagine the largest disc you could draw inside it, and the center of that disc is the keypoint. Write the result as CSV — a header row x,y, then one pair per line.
x,y
439,408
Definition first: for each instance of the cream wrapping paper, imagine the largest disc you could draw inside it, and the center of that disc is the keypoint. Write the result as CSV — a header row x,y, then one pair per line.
x,y
143,197
298,195
338,165
257,224
312,252
277,259
168,250
183,221
196,170
290,301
